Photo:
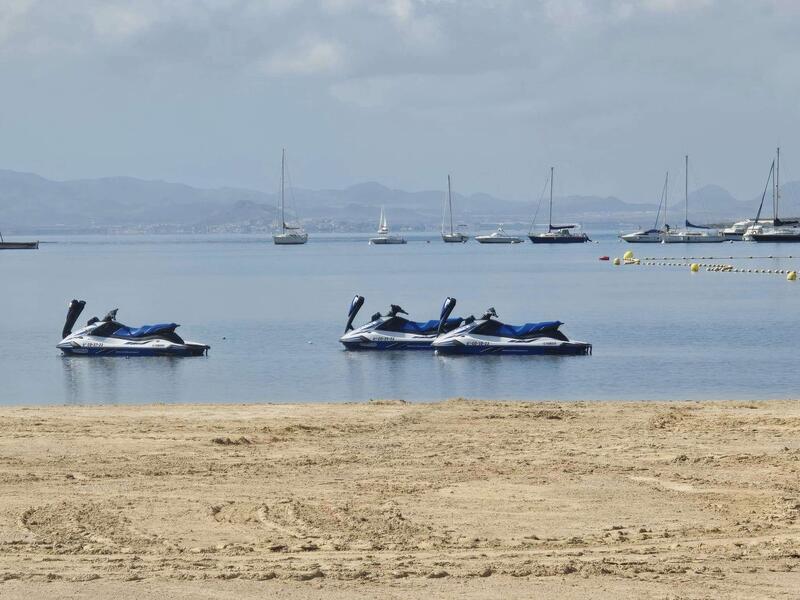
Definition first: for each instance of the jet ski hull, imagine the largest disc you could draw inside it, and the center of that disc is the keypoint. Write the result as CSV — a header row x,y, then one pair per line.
x,y
367,344
373,340
476,347
104,348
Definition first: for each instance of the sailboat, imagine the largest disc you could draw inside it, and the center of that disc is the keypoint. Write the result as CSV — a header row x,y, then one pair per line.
x,y
4,245
557,234
289,235
384,237
692,234
451,236
654,235
776,230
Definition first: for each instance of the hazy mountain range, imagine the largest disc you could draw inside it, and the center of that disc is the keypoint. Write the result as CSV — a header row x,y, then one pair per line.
x,y
29,202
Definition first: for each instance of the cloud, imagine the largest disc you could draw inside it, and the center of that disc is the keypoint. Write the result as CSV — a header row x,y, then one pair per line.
x,y
118,22
307,58
366,51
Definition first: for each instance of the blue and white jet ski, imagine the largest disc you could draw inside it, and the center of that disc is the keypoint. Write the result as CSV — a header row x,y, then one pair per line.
x,y
488,336
108,337
393,332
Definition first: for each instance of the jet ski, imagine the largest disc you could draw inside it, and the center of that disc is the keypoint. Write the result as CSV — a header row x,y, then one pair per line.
x,y
393,332
108,337
486,335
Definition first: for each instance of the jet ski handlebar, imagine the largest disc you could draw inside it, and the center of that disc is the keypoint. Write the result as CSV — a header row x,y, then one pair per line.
x,y
395,310
490,312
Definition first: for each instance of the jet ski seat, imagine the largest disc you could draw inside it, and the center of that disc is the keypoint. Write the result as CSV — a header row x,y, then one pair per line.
x,y
520,331
428,326
145,330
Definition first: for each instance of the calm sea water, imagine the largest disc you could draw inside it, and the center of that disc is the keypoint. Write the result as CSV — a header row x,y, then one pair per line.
x,y
273,316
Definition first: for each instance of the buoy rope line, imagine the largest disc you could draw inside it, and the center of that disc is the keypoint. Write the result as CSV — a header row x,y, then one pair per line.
x,y
713,257
723,268
630,259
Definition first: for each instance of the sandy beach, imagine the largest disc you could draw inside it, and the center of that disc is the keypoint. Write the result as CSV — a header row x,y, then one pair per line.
x,y
456,499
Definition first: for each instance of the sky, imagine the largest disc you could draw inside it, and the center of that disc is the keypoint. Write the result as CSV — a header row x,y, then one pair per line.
x,y
611,92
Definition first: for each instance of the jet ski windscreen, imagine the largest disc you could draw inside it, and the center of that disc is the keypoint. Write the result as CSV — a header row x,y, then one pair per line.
x,y
73,312
355,306
447,308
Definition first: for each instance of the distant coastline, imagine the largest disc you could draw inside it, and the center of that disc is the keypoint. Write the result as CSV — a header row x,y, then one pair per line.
x,y
30,204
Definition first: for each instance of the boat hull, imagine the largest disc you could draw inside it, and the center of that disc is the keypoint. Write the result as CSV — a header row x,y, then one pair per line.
x,y
777,237
186,350
454,238
371,344
19,245
572,239
693,239
473,347
497,240
384,340
635,238
386,241
290,239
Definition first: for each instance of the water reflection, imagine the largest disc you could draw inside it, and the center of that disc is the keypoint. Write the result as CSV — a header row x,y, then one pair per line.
x,y
109,380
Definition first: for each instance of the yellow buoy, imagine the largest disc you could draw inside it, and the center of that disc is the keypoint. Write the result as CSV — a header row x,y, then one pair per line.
x,y
616,262
628,255
792,276
694,267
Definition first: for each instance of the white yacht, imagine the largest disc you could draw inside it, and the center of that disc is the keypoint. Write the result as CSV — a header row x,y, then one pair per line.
x,y
451,236
691,234
775,229
289,235
654,235
645,236
498,237
737,231
384,237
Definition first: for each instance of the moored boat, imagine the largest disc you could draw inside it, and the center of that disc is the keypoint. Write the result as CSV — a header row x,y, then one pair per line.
x,y
654,235
776,230
384,237
498,237
691,234
393,332
557,234
486,335
452,236
4,245
108,337
288,235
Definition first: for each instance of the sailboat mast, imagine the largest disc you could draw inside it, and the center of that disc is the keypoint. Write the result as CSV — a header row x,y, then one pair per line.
x,y
550,218
283,168
686,190
777,182
666,199
661,204
450,204
444,205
